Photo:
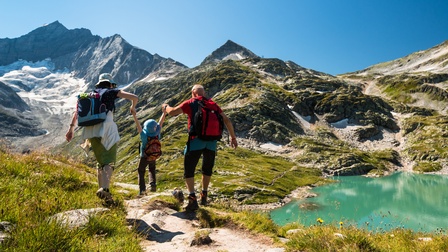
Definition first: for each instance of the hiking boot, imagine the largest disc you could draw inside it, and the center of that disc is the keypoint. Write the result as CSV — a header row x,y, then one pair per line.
x,y
203,198
103,193
153,188
142,193
192,204
109,202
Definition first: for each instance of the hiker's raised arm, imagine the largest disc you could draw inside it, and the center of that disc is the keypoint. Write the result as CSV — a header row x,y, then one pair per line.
x,y
229,126
172,111
132,97
137,123
70,131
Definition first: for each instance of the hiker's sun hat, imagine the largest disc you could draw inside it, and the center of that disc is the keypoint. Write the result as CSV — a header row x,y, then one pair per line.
x,y
151,128
105,77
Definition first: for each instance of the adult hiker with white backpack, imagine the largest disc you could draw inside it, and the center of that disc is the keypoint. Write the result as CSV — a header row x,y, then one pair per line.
x,y
202,140
101,132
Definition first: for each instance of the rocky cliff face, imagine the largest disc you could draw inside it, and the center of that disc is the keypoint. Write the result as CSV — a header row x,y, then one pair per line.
x,y
416,86
10,100
15,116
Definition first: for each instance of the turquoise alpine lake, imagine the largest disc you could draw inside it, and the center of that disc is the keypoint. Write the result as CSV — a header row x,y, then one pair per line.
x,y
418,202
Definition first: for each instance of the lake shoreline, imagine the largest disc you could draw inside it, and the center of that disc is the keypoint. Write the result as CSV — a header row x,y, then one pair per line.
x,y
305,192
382,203
299,193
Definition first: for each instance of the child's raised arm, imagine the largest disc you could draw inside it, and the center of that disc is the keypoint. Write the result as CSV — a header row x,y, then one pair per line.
x,y
162,118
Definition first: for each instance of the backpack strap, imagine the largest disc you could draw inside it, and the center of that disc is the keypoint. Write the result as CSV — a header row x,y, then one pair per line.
x,y
194,108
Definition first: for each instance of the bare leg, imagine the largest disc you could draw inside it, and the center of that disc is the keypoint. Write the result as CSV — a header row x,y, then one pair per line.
x,y
100,176
189,182
205,182
104,176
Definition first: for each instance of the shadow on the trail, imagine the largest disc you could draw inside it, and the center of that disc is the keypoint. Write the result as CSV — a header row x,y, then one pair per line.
x,y
152,232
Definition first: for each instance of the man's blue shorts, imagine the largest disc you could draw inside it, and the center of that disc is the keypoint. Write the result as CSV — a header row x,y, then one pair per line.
x,y
198,144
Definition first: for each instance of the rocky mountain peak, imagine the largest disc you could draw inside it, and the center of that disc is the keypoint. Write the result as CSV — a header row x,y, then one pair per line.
x,y
49,28
50,41
230,50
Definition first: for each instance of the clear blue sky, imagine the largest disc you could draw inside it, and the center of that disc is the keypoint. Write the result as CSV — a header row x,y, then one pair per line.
x,y
332,36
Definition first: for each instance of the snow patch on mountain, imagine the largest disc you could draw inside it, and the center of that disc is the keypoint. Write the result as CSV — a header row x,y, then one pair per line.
x,y
234,56
51,94
271,146
39,83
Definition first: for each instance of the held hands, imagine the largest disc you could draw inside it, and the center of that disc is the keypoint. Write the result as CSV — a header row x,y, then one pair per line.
x,y
164,106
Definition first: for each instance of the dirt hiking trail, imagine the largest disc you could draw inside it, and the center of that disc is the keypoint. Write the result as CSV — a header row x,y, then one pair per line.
x,y
168,230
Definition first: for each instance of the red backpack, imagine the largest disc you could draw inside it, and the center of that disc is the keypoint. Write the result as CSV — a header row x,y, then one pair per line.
x,y
206,122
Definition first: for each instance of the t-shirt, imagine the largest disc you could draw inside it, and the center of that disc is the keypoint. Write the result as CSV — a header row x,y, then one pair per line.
x,y
109,97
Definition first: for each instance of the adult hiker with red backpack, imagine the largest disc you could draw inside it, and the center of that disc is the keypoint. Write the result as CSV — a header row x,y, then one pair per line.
x,y
150,151
205,125
101,131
